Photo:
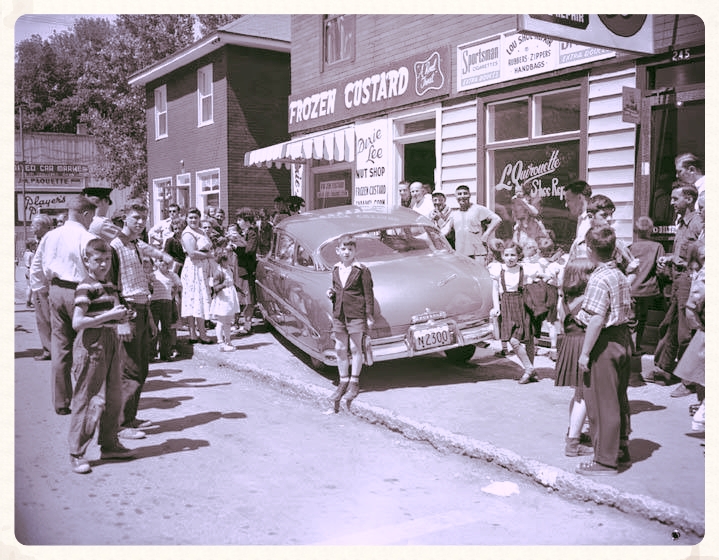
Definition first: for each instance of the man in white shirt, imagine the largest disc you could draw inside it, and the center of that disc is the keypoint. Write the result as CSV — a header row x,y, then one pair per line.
x,y
576,198
162,230
690,170
421,199
56,270
473,225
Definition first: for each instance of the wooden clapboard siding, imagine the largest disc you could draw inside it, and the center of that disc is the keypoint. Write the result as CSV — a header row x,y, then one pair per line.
x,y
459,149
611,145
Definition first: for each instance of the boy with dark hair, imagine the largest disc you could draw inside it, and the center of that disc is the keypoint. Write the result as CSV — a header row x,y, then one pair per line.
x,y
96,367
352,298
605,358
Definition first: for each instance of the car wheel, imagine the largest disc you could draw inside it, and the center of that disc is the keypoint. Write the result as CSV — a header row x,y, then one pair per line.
x,y
461,354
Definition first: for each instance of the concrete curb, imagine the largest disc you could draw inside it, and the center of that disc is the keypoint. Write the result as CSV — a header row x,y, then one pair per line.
x,y
571,485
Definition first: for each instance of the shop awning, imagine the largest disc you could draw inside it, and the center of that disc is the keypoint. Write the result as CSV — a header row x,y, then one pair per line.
x,y
333,145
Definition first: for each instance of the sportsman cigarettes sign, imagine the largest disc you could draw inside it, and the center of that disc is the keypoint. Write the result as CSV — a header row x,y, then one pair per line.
x,y
518,55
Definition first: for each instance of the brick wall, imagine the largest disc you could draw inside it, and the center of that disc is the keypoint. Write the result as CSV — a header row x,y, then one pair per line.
x,y
257,109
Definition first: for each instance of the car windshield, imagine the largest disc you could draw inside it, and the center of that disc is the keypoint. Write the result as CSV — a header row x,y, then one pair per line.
x,y
388,243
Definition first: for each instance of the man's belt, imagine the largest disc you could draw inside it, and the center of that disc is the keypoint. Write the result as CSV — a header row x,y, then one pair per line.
x,y
63,283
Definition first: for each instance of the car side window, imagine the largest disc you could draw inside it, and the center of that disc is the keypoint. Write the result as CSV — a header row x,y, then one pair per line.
x,y
304,258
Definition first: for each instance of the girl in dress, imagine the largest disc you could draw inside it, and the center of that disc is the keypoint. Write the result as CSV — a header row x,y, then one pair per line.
x,y
576,276
224,304
514,321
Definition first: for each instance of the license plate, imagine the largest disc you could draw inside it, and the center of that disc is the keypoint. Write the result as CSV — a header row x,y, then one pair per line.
x,y
432,336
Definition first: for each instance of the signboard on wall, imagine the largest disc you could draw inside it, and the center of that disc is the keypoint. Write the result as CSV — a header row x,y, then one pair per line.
x,y
332,189
391,84
518,55
543,171
626,32
40,203
371,168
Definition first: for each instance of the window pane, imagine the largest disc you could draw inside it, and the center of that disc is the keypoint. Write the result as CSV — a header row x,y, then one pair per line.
x,y
508,121
557,112
162,124
339,38
207,109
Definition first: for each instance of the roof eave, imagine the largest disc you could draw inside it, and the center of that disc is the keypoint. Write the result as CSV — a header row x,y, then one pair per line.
x,y
202,48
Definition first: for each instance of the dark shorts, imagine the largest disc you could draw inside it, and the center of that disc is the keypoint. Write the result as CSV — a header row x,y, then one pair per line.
x,y
348,327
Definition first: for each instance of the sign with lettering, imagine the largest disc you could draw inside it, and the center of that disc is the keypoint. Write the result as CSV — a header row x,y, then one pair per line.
x,y
34,203
625,32
371,169
518,55
333,189
61,169
391,85
538,174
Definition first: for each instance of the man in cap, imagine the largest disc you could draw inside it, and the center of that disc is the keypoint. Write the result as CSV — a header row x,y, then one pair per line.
x,y
440,214
57,269
473,225
101,224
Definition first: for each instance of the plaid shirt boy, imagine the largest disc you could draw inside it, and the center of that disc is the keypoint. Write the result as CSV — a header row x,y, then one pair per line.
x,y
608,295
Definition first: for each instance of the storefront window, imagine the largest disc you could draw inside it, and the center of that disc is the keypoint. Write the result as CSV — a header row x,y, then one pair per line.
x,y
508,120
557,112
527,171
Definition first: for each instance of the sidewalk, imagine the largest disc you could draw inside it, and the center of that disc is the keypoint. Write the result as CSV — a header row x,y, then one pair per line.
x,y
484,413
480,411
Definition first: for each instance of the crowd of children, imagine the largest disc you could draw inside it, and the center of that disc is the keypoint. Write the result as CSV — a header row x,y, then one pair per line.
x,y
594,303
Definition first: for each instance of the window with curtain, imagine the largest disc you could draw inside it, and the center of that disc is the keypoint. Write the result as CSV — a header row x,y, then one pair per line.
x,y
204,95
161,112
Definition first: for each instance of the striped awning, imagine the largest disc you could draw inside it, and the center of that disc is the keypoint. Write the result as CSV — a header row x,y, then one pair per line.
x,y
333,145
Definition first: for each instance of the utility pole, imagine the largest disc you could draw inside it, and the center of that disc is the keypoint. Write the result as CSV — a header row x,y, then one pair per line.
x,y
22,172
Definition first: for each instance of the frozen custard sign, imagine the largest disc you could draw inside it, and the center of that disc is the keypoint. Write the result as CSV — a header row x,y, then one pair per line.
x,y
392,85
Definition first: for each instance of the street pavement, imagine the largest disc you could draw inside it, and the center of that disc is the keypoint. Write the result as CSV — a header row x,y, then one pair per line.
x,y
479,410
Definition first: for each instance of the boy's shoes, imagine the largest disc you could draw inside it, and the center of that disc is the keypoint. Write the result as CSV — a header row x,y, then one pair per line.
x,y
131,433
63,411
141,424
681,390
593,468
529,375
659,376
80,465
42,357
116,451
173,355
227,348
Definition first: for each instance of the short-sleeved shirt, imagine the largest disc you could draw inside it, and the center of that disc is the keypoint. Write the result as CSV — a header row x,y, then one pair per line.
x,y
163,285
94,296
608,295
468,229
132,280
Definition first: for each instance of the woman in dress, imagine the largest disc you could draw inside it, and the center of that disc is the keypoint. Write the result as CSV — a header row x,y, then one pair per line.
x,y
195,277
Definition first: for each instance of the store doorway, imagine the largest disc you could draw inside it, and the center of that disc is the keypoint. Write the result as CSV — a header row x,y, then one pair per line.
x,y
420,162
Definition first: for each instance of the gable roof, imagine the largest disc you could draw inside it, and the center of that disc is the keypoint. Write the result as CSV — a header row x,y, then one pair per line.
x,y
270,32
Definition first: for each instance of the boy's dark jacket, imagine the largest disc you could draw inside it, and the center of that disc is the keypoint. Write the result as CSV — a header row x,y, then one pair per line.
x,y
356,299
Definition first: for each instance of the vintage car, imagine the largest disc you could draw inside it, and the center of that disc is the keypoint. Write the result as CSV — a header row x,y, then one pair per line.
x,y
427,297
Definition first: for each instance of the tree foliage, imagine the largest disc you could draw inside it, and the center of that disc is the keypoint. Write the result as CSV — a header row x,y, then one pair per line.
x,y
81,76
212,22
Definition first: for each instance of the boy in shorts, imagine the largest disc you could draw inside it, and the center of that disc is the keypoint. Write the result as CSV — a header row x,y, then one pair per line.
x,y
96,367
353,313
